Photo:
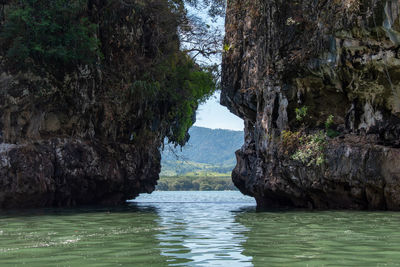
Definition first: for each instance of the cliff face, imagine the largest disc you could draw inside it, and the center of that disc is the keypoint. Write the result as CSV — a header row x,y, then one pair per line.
x,y
91,133
318,86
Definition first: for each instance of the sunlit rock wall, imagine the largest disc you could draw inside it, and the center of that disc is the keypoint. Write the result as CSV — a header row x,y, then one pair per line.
x,y
338,63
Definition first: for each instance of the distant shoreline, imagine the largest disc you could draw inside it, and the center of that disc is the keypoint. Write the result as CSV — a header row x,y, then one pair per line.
x,y
195,183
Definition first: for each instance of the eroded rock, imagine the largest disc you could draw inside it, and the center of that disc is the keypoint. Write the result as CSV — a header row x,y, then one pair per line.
x,y
85,134
339,61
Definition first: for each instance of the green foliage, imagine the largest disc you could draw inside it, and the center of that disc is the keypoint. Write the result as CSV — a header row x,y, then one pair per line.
x,y
52,33
179,167
179,85
184,83
301,113
56,37
143,89
227,47
195,183
306,148
208,153
215,147
311,148
290,141
332,133
328,124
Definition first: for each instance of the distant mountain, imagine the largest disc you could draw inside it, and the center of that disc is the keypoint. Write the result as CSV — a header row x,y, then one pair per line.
x,y
208,150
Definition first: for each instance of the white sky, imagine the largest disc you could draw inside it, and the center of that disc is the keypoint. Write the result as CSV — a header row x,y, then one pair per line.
x,y
212,114
215,116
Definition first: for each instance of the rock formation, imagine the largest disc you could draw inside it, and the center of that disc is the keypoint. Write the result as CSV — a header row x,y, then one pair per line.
x,y
318,86
91,133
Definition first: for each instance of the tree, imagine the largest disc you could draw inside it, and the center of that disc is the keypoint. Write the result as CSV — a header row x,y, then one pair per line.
x,y
216,8
198,36
49,32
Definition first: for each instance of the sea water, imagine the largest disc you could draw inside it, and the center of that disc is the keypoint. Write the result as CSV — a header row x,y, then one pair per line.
x,y
197,229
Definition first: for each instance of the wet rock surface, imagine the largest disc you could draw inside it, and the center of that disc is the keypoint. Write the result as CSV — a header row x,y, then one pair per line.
x,y
338,62
68,172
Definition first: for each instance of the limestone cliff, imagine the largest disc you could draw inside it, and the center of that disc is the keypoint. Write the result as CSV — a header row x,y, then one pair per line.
x,y
318,86
90,133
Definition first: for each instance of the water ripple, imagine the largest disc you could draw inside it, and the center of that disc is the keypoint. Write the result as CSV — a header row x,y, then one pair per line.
x,y
197,229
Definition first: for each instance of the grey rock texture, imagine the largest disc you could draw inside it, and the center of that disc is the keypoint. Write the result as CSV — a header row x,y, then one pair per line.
x,y
69,172
85,137
340,61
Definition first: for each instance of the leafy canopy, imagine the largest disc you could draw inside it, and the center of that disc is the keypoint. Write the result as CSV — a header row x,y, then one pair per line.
x,y
188,85
49,32
57,36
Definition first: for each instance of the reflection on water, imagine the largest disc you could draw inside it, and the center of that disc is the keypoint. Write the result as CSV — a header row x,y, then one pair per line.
x,y
162,229
197,229
201,230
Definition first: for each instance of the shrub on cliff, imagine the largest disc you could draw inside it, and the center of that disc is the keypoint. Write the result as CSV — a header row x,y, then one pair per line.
x,y
126,55
48,32
187,85
180,85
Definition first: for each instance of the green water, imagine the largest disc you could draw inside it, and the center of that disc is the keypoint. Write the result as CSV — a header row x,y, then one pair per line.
x,y
197,229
